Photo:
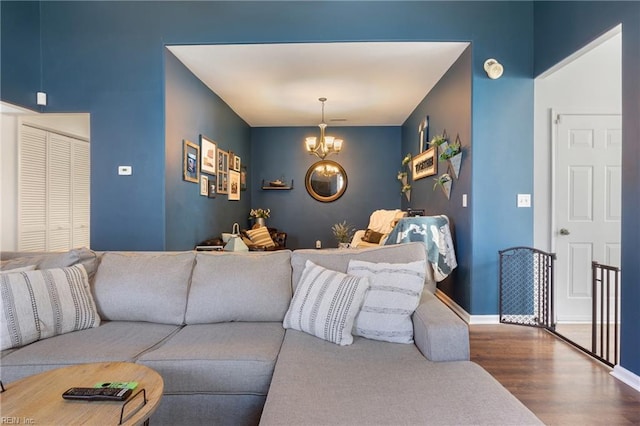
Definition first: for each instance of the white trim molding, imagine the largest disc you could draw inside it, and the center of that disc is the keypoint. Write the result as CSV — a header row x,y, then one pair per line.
x,y
466,317
627,377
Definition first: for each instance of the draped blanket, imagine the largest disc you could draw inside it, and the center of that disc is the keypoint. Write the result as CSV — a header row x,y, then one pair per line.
x,y
434,232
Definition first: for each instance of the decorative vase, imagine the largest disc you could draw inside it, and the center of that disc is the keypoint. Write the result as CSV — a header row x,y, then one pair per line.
x,y
446,188
407,193
455,164
442,148
261,221
343,245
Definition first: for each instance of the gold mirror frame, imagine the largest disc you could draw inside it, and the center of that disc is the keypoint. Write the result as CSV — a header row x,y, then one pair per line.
x,y
331,167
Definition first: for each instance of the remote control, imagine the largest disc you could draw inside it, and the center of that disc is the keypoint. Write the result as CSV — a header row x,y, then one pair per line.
x,y
97,394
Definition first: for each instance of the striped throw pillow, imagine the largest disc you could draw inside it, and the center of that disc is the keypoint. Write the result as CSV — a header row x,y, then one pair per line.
x,y
326,303
44,303
261,237
391,300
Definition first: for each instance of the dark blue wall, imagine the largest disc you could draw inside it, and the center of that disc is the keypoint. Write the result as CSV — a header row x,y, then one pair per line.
x,y
448,106
191,110
561,29
370,157
107,58
20,52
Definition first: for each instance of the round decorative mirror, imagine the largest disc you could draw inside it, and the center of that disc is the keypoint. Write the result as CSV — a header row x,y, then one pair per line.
x,y
326,181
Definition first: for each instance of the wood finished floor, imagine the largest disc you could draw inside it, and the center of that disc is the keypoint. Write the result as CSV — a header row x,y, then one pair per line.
x,y
560,384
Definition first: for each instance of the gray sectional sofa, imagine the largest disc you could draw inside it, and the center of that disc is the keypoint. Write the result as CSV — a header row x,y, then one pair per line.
x,y
211,325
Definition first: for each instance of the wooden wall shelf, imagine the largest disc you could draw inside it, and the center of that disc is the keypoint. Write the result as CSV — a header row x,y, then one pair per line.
x,y
270,186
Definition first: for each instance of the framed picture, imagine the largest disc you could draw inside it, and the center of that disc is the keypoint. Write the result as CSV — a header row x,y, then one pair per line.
x,y
204,185
234,185
423,134
236,163
207,155
243,178
424,164
223,171
191,161
212,187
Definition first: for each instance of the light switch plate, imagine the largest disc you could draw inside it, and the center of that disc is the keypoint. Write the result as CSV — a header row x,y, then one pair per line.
x,y
524,200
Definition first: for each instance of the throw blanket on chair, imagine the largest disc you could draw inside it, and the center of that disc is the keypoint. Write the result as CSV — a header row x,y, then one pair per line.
x,y
434,232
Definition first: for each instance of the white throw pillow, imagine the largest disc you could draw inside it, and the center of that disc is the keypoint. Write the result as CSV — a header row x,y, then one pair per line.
x,y
326,303
44,303
391,300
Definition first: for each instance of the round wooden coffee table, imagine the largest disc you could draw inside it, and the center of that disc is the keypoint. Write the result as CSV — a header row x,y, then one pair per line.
x,y
38,399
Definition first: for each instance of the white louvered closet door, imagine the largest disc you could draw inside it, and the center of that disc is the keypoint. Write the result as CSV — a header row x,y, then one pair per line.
x,y
80,183
32,202
53,191
59,193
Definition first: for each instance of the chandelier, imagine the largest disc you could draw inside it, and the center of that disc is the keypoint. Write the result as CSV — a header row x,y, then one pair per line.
x,y
327,144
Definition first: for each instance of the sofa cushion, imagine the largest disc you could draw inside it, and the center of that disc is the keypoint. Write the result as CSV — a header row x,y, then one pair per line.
x,y
112,341
373,382
326,303
40,304
49,260
226,358
252,286
391,300
338,259
18,269
143,286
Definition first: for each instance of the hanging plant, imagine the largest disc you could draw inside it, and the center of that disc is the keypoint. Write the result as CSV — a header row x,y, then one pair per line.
x,y
444,182
437,140
450,151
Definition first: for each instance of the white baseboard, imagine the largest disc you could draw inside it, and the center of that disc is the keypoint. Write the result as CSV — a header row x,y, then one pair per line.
x,y
466,317
627,377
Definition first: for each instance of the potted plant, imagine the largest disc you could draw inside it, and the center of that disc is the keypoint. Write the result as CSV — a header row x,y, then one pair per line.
x,y
343,232
444,182
259,215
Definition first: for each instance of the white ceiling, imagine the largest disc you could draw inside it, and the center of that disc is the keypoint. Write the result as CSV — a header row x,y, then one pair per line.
x,y
366,84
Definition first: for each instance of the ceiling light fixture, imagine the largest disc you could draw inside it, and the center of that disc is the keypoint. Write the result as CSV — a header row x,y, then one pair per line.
x,y
493,68
327,144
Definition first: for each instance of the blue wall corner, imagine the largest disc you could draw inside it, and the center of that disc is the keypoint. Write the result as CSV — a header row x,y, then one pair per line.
x,y
448,106
370,157
192,110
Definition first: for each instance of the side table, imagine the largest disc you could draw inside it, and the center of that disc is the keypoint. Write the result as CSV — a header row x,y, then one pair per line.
x,y
38,399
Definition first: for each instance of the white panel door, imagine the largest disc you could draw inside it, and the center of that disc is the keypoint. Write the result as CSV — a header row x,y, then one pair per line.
x,y
587,198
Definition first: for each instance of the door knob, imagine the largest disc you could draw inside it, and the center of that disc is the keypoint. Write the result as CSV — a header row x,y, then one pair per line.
x,y
564,231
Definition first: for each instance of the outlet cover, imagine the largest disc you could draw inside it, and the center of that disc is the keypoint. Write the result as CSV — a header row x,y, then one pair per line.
x,y
524,200
125,170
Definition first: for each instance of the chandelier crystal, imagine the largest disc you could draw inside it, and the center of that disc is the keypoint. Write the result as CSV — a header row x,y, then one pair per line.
x,y
327,144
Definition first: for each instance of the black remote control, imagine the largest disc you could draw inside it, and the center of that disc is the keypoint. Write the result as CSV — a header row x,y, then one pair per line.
x,y
97,394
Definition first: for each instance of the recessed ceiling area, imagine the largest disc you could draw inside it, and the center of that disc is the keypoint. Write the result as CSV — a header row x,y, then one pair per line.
x,y
366,83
